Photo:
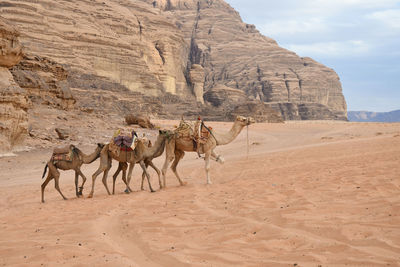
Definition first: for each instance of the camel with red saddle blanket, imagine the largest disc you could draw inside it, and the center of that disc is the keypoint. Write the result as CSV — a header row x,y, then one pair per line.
x,y
138,155
123,166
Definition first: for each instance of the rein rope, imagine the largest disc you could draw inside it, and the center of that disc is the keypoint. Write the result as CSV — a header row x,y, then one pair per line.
x,y
247,155
203,125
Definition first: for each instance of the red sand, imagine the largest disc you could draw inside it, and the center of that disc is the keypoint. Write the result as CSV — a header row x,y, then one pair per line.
x,y
310,193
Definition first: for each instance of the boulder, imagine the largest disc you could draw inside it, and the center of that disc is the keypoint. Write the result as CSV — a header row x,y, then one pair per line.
x,y
62,133
141,120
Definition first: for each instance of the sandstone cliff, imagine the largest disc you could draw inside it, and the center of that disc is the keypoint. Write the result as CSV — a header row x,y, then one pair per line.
x,y
237,56
166,58
13,101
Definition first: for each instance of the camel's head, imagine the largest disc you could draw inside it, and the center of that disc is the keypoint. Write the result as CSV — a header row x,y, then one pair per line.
x,y
166,133
100,146
245,121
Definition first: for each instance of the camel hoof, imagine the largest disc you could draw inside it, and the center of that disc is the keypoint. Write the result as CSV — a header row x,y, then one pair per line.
x,y
90,196
127,191
183,183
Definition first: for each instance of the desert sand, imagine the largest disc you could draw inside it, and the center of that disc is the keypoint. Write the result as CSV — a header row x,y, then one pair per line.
x,y
307,194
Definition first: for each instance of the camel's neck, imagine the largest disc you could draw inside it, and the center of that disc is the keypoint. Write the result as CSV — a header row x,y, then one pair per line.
x,y
160,150
154,150
223,139
87,159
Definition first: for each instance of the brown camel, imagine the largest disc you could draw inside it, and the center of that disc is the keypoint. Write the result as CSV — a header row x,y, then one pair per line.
x,y
78,159
139,154
176,147
122,166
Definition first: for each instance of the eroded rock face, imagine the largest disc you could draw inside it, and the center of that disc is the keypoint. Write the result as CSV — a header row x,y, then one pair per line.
x,y
305,111
185,48
10,47
128,42
45,82
197,81
258,110
221,95
236,55
13,102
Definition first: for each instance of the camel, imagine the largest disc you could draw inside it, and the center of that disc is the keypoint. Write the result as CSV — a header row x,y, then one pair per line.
x,y
147,161
139,154
78,159
176,147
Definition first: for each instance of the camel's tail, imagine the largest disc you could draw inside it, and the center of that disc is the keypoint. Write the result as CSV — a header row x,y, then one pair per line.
x,y
45,170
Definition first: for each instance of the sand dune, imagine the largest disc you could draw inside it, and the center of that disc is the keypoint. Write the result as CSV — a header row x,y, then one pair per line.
x,y
309,194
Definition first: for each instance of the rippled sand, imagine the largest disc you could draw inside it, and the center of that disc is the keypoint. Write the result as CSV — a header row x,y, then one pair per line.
x,y
308,194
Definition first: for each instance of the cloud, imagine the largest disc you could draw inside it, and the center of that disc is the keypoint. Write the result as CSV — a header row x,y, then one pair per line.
x,y
331,49
292,26
359,4
389,18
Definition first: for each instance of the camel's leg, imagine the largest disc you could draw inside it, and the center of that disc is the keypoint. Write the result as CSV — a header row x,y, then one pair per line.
x,y
48,179
178,156
124,178
207,166
83,182
128,189
169,157
105,175
218,158
102,168
76,183
150,163
56,180
115,175
147,174
143,175
121,166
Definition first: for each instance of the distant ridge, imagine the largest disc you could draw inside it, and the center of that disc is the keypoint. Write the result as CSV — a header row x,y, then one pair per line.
x,y
368,116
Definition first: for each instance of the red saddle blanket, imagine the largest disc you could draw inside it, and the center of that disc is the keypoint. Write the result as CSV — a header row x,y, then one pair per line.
x,y
122,148
63,153
62,157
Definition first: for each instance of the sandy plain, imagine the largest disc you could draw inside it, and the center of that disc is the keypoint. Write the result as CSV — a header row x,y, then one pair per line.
x,y
307,194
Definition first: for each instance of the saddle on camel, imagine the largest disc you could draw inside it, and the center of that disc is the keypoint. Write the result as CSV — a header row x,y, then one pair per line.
x,y
123,142
65,153
199,133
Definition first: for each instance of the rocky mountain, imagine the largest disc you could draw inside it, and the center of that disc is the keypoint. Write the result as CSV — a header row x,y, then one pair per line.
x,y
198,50
236,57
368,116
163,58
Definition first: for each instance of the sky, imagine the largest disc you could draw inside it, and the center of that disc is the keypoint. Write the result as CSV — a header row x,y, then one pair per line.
x,y
359,39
